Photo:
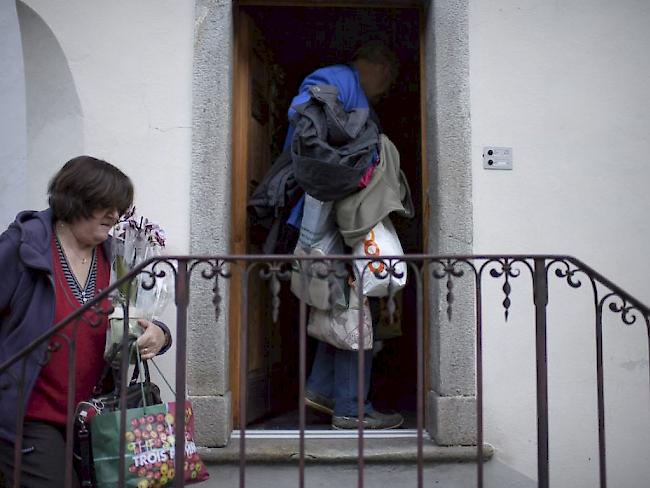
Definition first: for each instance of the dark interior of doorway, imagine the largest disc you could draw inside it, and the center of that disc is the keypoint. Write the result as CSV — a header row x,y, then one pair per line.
x,y
302,39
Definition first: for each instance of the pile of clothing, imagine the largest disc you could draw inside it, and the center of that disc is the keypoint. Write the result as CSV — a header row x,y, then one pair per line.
x,y
336,158
338,180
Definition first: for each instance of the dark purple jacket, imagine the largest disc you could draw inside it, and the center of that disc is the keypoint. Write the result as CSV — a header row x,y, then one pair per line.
x,y
27,304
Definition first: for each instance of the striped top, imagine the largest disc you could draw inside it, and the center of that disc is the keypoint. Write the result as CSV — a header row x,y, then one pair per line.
x,y
88,291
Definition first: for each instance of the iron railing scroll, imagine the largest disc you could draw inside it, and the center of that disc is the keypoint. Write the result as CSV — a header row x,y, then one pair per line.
x,y
448,272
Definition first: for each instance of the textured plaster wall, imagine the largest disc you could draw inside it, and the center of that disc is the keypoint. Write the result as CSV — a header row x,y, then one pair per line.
x,y
130,65
13,128
451,399
565,85
210,216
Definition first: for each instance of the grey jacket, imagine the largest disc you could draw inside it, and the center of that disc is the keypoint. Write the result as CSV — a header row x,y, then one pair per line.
x,y
331,149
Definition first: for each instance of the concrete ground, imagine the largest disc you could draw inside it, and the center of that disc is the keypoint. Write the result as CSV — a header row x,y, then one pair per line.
x,y
384,475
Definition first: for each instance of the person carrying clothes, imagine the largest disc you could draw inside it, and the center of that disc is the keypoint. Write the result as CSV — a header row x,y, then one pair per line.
x,y
336,100
52,262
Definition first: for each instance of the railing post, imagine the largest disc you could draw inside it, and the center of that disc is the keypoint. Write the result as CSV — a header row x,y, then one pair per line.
x,y
18,445
540,297
243,375
361,390
302,353
479,382
600,391
182,301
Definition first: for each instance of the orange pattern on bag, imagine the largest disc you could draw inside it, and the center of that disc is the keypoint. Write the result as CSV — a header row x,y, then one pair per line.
x,y
371,248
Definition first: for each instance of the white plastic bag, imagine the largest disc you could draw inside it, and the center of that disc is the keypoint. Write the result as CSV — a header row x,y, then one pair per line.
x,y
340,326
319,283
382,240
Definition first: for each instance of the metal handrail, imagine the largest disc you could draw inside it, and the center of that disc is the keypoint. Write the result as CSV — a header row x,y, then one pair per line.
x,y
448,268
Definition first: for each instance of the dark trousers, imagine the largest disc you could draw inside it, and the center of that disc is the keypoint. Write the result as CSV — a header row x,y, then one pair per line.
x,y
43,460
334,374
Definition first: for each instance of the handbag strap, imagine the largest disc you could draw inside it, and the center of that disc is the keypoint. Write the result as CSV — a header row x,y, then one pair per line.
x,y
108,369
136,371
162,376
136,374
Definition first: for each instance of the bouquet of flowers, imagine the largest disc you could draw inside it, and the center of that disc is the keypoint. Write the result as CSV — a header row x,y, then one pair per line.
x,y
136,239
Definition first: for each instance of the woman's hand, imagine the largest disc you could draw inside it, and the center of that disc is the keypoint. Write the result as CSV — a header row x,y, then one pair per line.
x,y
152,340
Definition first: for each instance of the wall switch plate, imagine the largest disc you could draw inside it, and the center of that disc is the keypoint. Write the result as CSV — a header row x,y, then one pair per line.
x,y
497,157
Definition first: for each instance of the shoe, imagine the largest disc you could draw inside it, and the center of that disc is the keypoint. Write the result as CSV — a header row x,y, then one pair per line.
x,y
371,420
319,402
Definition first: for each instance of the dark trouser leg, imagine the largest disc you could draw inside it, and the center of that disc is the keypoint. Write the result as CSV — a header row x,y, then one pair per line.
x,y
346,379
321,378
43,460
346,376
334,373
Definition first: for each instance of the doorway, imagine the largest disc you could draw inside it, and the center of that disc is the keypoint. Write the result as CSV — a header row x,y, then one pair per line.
x,y
275,48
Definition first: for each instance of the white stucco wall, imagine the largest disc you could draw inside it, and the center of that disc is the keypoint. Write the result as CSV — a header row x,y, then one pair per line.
x,y
13,136
565,85
129,68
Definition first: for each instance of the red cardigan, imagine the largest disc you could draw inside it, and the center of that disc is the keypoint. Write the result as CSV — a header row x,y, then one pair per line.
x,y
48,401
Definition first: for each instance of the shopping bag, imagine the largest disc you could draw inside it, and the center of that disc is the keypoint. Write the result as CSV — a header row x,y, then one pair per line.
x,y
389,325
141,423
319,283
139,393
150,447
195,470
374,274
340,326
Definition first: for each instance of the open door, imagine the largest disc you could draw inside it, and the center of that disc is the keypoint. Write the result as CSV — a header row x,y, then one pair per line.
x,y
275,48
253,148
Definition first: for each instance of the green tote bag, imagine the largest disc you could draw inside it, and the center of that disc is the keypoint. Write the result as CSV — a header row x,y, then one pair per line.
x,y
149,448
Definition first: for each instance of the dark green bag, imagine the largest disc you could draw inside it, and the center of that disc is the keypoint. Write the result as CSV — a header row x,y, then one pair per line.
x,y
150,448
148,436
144,405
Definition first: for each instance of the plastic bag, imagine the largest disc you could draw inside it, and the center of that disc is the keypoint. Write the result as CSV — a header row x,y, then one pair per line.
x,y
374,274
340,326
319,283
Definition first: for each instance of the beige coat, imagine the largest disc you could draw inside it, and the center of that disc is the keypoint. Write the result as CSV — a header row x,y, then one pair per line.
x,y
388,191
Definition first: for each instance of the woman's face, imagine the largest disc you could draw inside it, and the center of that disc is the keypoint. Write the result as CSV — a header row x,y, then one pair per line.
x,y
94,230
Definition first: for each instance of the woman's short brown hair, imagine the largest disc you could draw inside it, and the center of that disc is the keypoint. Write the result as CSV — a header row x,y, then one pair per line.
x,y
85,184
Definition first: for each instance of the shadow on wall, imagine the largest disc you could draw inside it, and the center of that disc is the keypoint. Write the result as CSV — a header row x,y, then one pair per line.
x,y
13,131
54,117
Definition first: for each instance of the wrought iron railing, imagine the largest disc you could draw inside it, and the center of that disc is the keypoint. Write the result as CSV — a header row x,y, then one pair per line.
x,y
425,270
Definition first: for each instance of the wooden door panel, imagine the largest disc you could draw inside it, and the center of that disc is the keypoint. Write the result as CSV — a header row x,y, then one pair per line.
x,y
251,161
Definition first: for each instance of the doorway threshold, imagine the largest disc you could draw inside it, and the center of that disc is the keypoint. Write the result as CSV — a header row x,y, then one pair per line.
x,y
330,434
332,448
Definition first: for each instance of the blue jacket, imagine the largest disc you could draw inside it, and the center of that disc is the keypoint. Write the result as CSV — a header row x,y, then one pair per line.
x,y
27,304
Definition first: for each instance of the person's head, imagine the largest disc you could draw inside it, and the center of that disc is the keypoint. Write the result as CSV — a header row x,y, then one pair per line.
x,y
91,195
377,66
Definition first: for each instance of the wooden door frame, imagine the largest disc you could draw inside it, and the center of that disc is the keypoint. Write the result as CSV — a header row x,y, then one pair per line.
x,y
240,153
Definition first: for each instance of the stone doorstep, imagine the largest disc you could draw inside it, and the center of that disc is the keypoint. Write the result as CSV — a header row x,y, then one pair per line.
x,y
340,451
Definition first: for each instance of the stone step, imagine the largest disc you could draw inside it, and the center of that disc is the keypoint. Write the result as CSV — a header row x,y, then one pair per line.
x,y
331,449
